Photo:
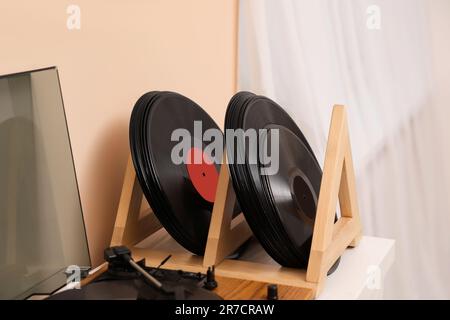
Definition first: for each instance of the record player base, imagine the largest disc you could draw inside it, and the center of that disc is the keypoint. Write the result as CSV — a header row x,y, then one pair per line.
x,y
232,288
235,270
237,279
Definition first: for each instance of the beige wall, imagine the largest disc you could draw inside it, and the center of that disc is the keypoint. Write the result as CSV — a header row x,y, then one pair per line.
x,y
123,49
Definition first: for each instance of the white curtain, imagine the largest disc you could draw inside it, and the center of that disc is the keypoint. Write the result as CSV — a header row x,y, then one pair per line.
x,y
377,58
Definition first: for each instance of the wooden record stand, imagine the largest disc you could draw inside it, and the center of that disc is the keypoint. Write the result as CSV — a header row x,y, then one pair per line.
x,y
330,239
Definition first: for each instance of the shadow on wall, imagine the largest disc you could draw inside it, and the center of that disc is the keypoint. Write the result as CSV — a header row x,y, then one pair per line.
x,y
104,182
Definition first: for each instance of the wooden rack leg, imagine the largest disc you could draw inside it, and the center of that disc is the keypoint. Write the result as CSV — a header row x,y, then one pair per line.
x,y
129,228
331,239
224,235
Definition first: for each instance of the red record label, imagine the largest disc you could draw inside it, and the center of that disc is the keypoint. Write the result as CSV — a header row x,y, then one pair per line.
x,y
203,173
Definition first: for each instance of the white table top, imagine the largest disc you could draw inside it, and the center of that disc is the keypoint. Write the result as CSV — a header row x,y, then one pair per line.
x,y
360,274
362,270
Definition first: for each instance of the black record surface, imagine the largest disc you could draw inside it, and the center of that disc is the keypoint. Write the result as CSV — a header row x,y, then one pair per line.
x,y
280,208
166,185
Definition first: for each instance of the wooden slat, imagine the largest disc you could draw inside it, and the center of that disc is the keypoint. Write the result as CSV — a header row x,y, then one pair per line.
x,y
338,182
129,228
222,238
264,272
237,289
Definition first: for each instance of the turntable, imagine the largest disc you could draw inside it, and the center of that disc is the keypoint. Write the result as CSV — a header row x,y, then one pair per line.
x,y
121,278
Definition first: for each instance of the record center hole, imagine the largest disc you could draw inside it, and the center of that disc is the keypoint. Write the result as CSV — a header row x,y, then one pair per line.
x,y
203,174
303,197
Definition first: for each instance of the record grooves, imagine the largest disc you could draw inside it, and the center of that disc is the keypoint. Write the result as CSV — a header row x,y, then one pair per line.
x,y
179,194
280,208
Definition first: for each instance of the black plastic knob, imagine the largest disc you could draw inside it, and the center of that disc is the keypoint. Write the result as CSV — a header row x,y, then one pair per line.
x,y
272,292
210,282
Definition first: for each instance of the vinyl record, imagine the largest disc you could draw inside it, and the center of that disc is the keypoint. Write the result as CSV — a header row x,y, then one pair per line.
x,y
279,206
180,194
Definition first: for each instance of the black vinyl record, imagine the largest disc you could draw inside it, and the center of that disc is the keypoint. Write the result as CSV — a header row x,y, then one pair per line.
x,y
280,207
181,195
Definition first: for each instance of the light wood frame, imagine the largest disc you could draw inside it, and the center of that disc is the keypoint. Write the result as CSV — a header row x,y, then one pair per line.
x,y
130,228
329,241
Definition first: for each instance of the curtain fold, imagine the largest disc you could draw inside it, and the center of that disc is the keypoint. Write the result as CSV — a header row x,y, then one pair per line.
x,y
310,55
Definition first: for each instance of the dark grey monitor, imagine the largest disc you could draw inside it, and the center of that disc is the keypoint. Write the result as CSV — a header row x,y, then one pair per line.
x,y
41,222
